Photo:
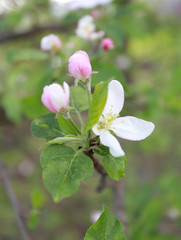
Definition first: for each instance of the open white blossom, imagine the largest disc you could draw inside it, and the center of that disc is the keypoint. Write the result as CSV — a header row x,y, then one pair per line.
x,y
86,29
130,128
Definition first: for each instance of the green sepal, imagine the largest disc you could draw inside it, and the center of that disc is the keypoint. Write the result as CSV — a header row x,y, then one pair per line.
x,y
67,126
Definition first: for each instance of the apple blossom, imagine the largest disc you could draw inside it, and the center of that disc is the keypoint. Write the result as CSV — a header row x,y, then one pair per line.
x,y
56,98
130,128
79,65
85,27
107,44
51,43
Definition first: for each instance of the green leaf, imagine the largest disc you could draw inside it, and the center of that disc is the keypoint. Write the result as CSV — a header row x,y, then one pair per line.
x,y
61,140
79,98
46,127
98,103
107,227
115,167
18,54
64,170
67,126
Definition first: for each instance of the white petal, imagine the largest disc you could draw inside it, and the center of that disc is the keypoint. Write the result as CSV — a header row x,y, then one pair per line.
x,y
115,98
108,140
67,91
132,128
96,130
86,19
58,96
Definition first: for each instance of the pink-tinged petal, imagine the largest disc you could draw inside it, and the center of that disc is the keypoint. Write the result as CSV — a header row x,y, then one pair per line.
x,y
96,130
108,140
82,52
67,92
47,100
107,44
115,98
132,128
55,98
58,96
79,66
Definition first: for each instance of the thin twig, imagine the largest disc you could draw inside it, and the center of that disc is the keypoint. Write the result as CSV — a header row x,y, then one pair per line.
x,y
99,168
102,183
97,165
13,200
11,36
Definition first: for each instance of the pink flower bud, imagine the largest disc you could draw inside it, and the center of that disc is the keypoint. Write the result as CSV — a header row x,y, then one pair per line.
x,y
79,65
107,44
55,98
51,43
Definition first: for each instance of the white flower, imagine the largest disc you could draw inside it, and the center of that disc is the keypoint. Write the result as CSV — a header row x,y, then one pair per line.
x,y
85,27
130,128
51,43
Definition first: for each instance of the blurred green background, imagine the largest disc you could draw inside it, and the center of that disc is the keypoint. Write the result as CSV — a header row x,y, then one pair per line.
x,y
146,60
